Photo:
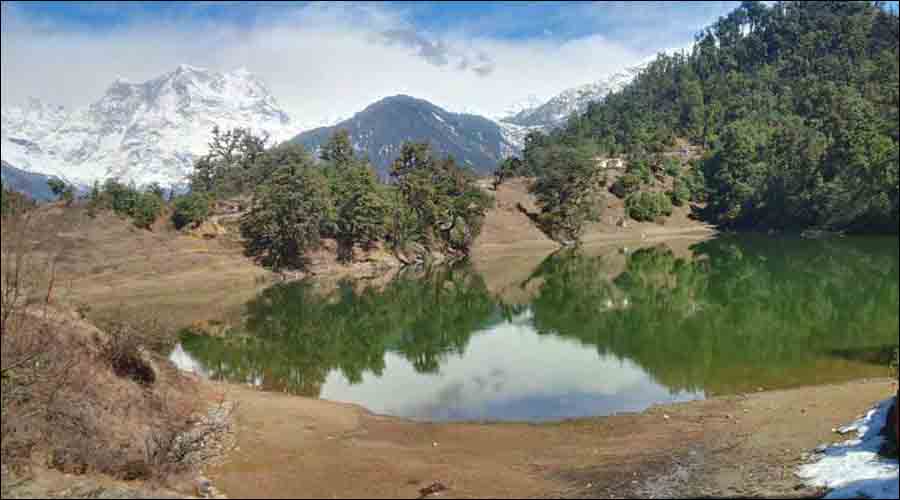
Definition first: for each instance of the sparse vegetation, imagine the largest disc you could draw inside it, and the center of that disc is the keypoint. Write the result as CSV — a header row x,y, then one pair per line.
x,y
61,190
509,168
13,203
88,400
626,186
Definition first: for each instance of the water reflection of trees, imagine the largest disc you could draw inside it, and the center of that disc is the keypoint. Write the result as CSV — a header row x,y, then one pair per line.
x,y
296,335
742,311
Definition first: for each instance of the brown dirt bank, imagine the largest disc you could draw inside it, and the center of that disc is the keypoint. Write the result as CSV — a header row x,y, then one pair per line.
x,y
291,447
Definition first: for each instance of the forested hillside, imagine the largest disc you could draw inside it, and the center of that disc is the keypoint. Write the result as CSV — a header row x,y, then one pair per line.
x,y
795,107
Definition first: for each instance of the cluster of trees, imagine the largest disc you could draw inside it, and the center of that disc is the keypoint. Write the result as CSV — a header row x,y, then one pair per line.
x,y
570,194
431,205
142,206
437,204
795,105
648,207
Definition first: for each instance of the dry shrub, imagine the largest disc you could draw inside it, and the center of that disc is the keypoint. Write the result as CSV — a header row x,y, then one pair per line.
x,y
122,351
75,398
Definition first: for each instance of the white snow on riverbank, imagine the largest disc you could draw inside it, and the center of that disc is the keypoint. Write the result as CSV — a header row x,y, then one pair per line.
x,y
854,469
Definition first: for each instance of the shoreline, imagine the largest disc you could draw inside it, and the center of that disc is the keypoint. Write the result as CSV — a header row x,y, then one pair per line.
x,y
291,446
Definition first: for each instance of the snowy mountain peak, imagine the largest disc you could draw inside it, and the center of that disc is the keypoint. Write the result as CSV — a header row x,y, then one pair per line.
x,y
142,132
557,110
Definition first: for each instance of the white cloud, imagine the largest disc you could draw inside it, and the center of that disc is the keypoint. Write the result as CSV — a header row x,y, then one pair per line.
x,y
321,61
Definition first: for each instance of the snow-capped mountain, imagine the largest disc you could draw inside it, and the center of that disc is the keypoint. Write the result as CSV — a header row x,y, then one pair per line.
x,y
140,132
557,110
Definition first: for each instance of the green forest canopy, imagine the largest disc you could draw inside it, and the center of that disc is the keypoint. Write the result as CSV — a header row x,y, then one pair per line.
x,y
795,106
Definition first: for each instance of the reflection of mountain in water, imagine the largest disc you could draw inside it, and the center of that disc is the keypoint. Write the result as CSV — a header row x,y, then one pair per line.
x,y
745,313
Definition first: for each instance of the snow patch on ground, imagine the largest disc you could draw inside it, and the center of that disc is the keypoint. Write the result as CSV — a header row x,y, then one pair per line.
x,y
854,469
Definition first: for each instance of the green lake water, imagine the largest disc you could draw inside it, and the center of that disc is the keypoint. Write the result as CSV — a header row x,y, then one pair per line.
x,y
742,314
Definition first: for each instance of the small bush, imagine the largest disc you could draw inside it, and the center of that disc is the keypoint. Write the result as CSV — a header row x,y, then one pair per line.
x,y
641,169
626,186
680,194
191,211
647,207
672,167
694,182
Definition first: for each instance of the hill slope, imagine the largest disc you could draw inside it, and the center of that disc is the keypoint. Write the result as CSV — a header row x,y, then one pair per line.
x,y
380,130
33,185
796,104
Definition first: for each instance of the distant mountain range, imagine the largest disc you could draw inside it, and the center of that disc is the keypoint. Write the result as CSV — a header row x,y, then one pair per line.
x,y
33,185
140,132
380,130
152,131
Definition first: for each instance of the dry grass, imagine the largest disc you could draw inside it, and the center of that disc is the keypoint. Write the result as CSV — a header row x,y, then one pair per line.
x,y
75,398
107,268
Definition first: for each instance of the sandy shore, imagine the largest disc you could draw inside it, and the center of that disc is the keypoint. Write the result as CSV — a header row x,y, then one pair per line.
x,y
290,447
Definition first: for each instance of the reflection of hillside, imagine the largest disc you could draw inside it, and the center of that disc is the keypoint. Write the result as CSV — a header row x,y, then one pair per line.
x,y
730,316
296,334
748,311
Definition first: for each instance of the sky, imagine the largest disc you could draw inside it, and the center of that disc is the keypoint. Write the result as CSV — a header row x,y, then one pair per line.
x,y
324,61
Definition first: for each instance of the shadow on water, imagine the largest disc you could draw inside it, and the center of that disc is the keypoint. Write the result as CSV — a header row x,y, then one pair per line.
x,y
743,313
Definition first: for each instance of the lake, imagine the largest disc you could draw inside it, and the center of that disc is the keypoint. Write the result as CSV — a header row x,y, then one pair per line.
x,y
595,335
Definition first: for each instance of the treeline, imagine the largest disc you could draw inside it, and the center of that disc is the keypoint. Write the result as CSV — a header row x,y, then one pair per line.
x,y
431,206
143,206
795,107
291,203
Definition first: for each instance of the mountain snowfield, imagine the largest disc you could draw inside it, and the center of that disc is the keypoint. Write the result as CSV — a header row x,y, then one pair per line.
x,y
556,111
140,132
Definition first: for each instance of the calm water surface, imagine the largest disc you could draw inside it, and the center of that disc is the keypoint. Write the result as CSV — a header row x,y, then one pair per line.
x,y
595,339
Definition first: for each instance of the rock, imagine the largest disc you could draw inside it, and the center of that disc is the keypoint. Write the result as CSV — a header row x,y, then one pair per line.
x,y
432,490
208,230
204,488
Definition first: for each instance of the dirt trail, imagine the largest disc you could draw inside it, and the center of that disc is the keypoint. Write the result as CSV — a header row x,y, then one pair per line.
x,y
292,447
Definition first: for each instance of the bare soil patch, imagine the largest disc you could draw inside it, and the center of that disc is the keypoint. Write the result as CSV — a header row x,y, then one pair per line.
x,y
292,447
